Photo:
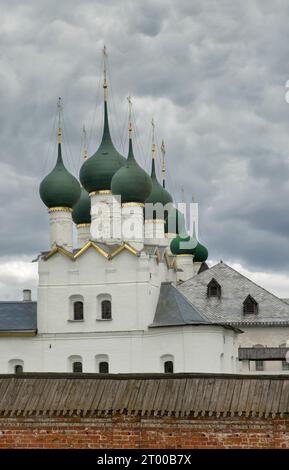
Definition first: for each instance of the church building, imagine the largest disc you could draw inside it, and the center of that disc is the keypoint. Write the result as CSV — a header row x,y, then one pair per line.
x,y
135,294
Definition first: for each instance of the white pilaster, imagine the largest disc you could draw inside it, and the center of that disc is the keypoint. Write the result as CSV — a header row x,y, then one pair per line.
x,y
105,217
83,234
169,238
61,226
155,232
133,224
185,267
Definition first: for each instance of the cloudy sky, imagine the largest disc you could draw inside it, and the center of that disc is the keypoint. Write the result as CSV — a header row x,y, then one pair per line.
x,y
213,75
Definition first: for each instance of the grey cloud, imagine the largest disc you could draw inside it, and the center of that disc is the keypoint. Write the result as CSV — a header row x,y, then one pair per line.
x,y
211,73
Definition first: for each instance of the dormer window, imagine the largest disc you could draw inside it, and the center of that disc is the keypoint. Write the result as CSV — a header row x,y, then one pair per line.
x,y
250,305
214,289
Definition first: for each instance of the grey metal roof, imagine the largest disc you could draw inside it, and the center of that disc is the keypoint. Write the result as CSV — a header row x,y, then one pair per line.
x,y
174,309
158,395
18,316
235,288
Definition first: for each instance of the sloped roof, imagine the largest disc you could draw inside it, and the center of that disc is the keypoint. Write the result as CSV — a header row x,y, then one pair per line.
x,y
229,307
174,309
18,316
144,394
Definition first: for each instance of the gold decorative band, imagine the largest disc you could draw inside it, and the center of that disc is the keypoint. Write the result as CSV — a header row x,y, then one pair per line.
x,y
60,209
133,204
155,221
82,225
185,254
170,235
101,191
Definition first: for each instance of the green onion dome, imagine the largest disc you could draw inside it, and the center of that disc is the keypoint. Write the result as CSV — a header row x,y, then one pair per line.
x,y
81,210
97,171
131,182
60,188
201,253
189,248
158,193
175,222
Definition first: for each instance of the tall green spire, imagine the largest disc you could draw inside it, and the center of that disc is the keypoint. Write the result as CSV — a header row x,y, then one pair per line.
x,y
158,193
131,182
59,188
81,210
97,172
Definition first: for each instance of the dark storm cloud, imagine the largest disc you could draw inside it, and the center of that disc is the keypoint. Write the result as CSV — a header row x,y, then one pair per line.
x,y
212,74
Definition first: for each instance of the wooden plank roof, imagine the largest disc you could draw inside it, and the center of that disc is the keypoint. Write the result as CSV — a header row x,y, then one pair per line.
x,y
263,354
144,394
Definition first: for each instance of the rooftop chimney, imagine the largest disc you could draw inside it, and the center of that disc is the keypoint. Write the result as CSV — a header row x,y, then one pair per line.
x,y
26,295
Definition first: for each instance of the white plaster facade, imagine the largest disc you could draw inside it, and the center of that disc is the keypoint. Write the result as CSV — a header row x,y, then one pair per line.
x,y
132,282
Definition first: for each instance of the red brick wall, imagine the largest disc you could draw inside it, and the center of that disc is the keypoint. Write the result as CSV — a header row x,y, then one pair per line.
x,y
136,432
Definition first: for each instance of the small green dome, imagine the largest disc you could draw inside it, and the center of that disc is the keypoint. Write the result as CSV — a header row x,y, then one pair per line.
x,y
81,210
188,249
175,222
60,188
97,171
158,193
131,182
201,253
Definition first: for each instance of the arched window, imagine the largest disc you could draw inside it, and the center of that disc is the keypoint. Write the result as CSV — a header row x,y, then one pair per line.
x,y
106,310
18,369
15,366
77,366
103,367
168,367
102,364
214,289
78,310
250,305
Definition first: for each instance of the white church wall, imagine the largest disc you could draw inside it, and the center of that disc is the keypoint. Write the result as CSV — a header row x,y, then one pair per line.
x,y
131,282
194,349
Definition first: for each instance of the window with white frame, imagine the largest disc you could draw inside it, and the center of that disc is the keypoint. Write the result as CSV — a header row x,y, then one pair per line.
x,y
76,308
167,363
102,363
15,366
75,364
104,307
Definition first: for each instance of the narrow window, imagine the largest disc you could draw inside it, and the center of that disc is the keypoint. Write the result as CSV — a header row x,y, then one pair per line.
x,y
168,367
285,365
78,310
250,305
259,365
214,289
18,369
77,366
103,367
106,310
